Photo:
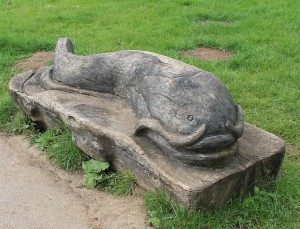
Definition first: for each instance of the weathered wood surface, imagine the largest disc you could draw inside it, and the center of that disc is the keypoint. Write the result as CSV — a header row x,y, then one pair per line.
x,y
103,125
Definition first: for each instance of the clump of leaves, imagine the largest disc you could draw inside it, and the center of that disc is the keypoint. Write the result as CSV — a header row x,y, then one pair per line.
x,y
97,176
93,170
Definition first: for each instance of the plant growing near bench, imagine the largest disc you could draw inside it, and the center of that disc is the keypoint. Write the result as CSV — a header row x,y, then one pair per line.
x,y
96,176
93,170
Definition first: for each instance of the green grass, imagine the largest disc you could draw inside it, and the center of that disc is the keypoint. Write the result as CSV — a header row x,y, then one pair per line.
x,y
278,207
122,183
19,123
58,145
97,175
263,76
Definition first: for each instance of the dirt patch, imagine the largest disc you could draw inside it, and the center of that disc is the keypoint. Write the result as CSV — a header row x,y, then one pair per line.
x,y
292,152
35,194
224,23
37,60
291,148
207,54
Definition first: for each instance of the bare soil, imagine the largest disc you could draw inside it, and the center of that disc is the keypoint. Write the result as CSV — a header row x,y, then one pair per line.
x,y
34,62
224,23
291,148
207,54
35,194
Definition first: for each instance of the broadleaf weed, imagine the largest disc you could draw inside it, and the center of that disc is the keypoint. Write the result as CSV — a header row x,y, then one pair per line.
x,y
96,176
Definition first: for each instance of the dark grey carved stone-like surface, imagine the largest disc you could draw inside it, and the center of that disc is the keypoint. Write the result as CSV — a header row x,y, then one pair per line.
x,y
154,116
186,111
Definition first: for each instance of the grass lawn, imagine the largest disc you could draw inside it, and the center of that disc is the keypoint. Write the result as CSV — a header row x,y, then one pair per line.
x,y
263,75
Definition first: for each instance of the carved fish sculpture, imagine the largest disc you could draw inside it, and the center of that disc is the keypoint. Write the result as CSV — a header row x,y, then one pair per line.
x,y
186,111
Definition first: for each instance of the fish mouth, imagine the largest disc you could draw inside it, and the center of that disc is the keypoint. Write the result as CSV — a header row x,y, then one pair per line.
x,y
196,140
210,142
210,151
196,148
217,157
221,149
173,138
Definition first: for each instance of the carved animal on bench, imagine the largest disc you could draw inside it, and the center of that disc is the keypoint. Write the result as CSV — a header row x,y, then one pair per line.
x,y
186,111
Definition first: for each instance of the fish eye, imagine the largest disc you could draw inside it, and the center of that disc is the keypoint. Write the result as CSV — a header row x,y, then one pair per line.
x,y
190,117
